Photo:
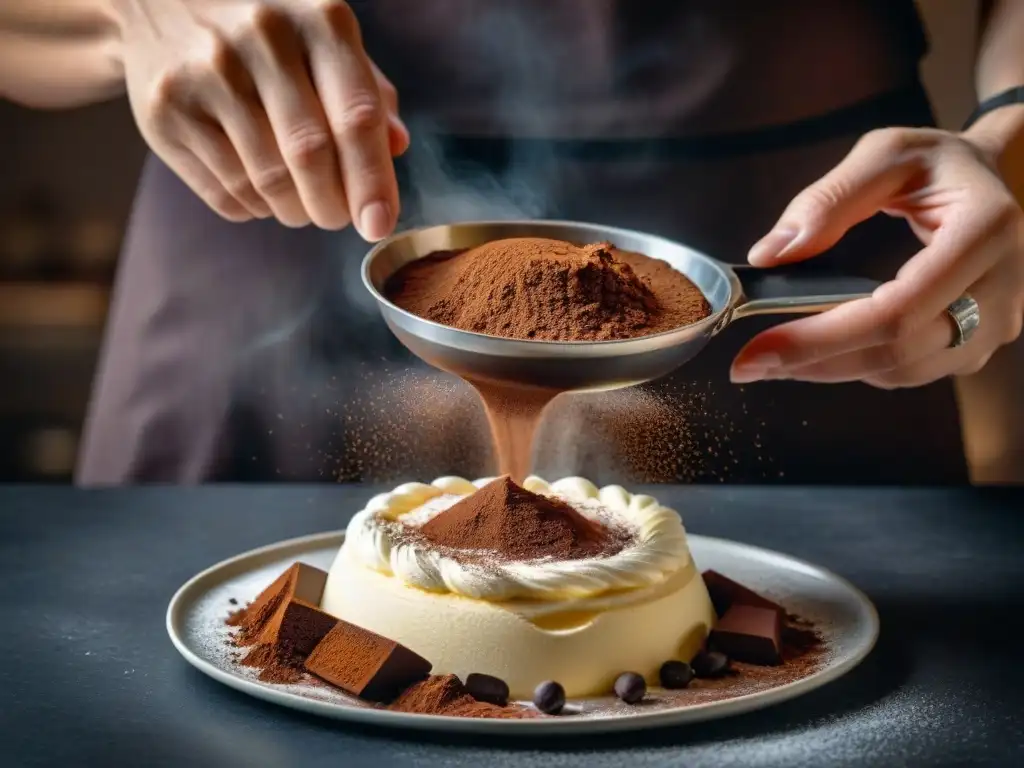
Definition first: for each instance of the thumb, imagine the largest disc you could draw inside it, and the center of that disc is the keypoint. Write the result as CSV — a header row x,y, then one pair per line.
x,y
861,185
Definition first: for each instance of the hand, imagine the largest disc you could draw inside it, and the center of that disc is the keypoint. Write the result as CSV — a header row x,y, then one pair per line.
x,y
266,108
972,230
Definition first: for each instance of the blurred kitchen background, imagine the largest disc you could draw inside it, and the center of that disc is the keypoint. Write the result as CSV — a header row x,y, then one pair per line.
x,y
66,185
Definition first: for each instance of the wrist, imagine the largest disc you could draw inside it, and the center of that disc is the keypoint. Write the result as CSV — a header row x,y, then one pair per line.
x,y
999,137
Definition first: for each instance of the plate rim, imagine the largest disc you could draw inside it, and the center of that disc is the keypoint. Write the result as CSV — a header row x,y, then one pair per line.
x,y
546,726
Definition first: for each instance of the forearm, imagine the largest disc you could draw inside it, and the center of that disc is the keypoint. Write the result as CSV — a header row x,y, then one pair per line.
x,y
58,54
1000,65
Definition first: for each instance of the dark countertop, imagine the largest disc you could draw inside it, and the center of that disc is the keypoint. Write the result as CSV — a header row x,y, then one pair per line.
x,y
88,676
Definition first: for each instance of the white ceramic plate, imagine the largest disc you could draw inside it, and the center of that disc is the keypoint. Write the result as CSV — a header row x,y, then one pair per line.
x,y
843,614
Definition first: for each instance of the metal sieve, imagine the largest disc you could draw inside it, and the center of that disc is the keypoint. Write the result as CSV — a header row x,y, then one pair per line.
x,y
733,292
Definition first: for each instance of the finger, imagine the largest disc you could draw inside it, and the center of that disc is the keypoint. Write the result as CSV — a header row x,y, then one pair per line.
x,y
873,172
958,255
213,148
398,136
275,56
357,115
931,340
201,180
398,133
230,96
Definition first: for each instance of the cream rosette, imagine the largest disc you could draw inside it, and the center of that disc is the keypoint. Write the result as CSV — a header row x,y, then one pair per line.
x,y
658,548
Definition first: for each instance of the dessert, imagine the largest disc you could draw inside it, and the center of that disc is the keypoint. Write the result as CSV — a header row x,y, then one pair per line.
x,y
470,599
561,581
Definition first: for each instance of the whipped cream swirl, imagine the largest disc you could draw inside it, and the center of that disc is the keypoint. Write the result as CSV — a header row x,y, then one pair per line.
x,y
658,549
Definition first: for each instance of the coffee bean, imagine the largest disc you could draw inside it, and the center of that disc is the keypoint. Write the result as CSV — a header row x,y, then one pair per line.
x,y
675,674
710,664
630,687
549,697
487,688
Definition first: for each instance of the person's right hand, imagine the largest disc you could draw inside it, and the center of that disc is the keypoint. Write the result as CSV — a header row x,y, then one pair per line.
x,y
266,108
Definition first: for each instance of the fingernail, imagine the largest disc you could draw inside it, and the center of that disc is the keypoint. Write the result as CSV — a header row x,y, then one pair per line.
x,y
375,220
755,368
772,246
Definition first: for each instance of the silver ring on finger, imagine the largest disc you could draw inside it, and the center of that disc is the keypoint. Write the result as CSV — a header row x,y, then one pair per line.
x,y
966,316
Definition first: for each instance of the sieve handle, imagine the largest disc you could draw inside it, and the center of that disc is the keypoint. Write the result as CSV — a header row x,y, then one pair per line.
x,y
803,288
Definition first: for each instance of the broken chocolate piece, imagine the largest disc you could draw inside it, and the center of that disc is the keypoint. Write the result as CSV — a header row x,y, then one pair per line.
x,y
260,621
725,593
366,664
297,627
751,634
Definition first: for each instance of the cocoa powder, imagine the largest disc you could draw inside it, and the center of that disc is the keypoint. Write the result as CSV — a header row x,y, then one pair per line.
x,y
446,695
282,625
544,290
511,523
548,290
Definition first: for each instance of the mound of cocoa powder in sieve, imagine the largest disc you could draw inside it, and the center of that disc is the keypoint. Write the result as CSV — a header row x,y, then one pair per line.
x,y
511,523
548,290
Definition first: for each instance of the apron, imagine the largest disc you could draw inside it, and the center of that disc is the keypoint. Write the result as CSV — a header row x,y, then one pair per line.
x,y
253,352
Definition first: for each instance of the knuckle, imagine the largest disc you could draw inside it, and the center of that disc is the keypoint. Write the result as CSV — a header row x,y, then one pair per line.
x,y
307,146
272,181
362,114
975,365
1014,327
894,141
264,19
225,205
883,381
241,188
1007,214
263,30
167,89
897,327
218,58
339,19
895,355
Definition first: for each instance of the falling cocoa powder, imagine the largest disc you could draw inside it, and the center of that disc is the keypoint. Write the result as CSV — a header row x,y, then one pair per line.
x,y
514,414
446,695
548,290
511,523
542,290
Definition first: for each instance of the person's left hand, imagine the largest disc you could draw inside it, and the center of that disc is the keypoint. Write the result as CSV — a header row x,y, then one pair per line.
x,y
972,229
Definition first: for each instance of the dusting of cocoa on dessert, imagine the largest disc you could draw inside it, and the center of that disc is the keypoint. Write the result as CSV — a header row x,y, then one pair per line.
x,y
511,523
548,290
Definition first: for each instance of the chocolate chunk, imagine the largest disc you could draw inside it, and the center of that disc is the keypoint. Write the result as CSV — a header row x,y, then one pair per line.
x,y
750,634
259,621
710,664
725,593
549,697
630,687
487,688
297,627
233,600
366,664
675,674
